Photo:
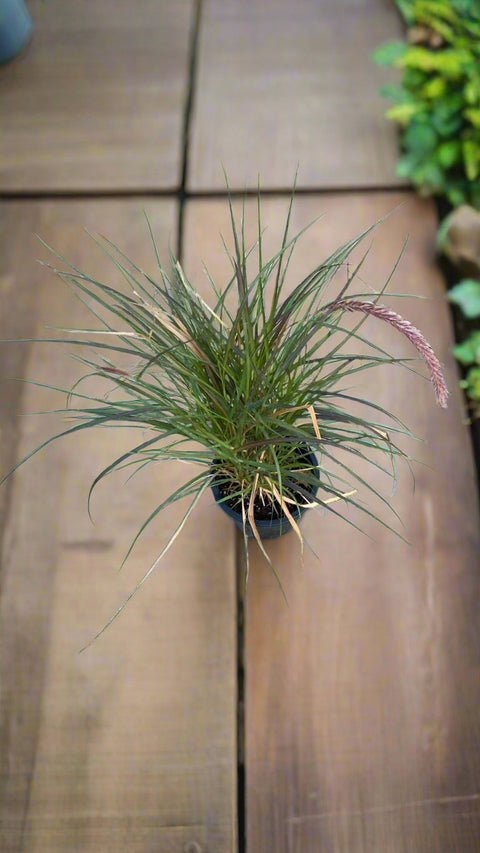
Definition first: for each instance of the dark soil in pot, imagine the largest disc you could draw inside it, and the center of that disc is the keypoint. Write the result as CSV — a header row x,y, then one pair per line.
x,y
267,512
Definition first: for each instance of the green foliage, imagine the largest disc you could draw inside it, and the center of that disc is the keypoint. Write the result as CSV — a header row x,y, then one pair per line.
x,y
391,52
471,386
245,385
437,104
466,294
468,352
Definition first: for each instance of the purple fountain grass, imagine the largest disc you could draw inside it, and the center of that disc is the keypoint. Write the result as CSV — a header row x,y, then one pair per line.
x,y
410,331
248,393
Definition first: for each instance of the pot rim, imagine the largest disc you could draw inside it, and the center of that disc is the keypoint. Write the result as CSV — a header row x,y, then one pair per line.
x,y
280,522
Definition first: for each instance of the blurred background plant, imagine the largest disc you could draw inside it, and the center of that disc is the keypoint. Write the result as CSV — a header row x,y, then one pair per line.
x,y
437,103
437,107
466,295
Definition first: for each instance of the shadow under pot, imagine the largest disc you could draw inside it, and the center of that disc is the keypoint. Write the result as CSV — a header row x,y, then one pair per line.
x,y
272,522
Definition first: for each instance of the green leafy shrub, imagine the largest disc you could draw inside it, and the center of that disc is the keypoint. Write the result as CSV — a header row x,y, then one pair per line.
x,y
437,103
458,239
466,294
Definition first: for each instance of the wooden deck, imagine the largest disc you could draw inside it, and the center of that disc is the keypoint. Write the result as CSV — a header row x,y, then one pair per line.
x,y
96,102
130,745
284,84
362,696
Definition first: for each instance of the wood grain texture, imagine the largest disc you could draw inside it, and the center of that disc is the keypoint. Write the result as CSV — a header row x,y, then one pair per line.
x,y
362,695
283,84
129,746
18,297
96,100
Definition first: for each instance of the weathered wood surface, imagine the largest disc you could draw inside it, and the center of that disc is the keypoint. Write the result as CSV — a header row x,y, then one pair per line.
x,y
96,100
17,320
282,84
129,746
362,695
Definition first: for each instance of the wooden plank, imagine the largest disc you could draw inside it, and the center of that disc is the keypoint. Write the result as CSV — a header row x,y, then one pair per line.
x,y
282,84
130,745
96,100
362,695
17,320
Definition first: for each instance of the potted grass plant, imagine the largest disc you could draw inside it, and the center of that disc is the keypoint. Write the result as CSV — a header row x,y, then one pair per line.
x,y
251,386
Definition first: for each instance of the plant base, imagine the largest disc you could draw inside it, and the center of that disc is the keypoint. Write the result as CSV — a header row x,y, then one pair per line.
x,y
268,528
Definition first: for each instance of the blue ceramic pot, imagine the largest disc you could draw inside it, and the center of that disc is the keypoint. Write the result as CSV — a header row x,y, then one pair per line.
x,y
15,28
267,528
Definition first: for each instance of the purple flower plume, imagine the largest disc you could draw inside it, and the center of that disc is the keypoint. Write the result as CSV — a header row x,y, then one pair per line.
x,y
410,331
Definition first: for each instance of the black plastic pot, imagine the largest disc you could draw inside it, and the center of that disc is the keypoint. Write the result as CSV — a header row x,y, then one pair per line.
x,y
267,528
